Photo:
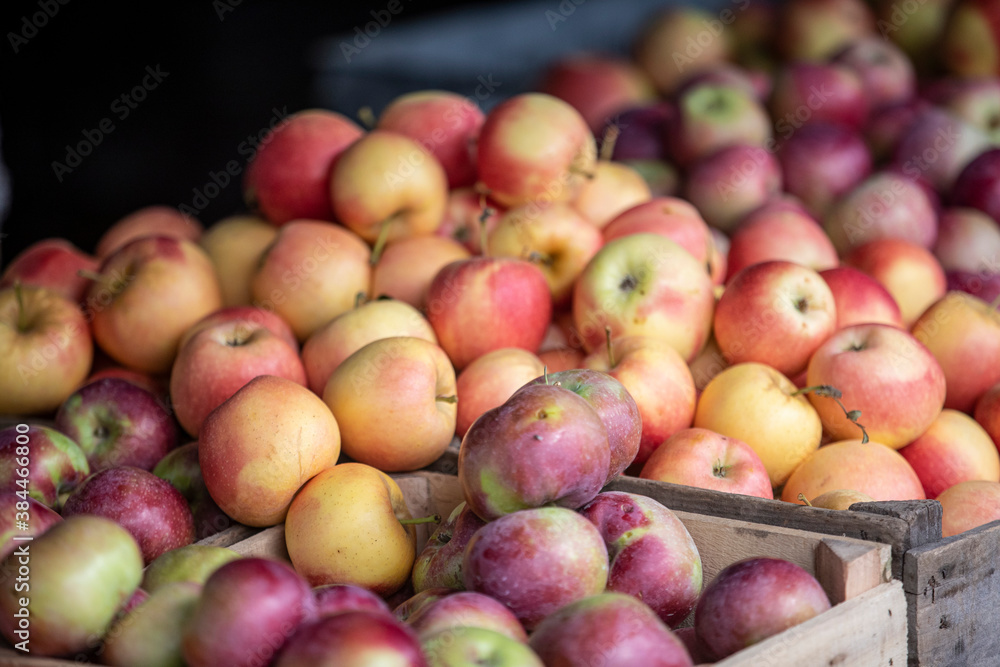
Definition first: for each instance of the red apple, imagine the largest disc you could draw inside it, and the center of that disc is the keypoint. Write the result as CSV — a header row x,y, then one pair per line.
x,y
40,462
352,639
968,505
336,598
53,264
469,217
490,379
860,299
968,240
910,272
810,92
462,610
886,72
978,184
148,221
407,267
249,317
712,116
770,233
731,182
953,449
181,468
937,146
439,565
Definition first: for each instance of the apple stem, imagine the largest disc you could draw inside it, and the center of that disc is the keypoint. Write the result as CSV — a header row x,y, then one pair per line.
x,y
367,117
829,391
94,276
719,470
359,299
433,518
805,500
545,373
383,237
607,339
22,320
581,172
608,142
447,399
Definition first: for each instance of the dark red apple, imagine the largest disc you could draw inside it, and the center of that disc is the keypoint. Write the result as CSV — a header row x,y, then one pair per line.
x,y
978,184
359,638
439,565
51,463
337,598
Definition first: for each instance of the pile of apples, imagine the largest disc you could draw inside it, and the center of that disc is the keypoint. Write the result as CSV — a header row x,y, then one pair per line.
x,y
772,233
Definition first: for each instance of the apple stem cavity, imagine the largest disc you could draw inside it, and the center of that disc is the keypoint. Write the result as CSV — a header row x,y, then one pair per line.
x,y
380,241
447,399
367,117
805,501
611,352
433,518
608,142
829,391
719,470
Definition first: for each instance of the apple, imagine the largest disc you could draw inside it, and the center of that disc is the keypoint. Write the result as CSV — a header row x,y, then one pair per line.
x,y
40,519
968,505
910,272
731,182
386,186
147,295
445,123
953,449
464,610
149,507
840,499
976,101
860,299
561,358
615,626
394,401
916,31
644,284
352,639
987,412
814,30
54,264
258,448
708,460
180,467
217,361
554,237
348,332
969,39
150,633
886,72
193,563
676,42
248,610
247,316
537,560
534,147
753,599
659,383
412,603
753,81
968,240
639,132
771,233
235,245
337,598
148,221
615,188
712,116
846,162
157,385
986,286
312,272
869,467
978,184
407,267
477,646
938,145
652,555
490,380
777,313
346,527
707,365
90,555
40,462
755,403
545,445
469,216
814,92
486,303
48,350
289,175
962,332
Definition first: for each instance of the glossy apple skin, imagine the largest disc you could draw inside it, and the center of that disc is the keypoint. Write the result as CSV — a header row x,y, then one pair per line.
x,y
40,519
406,267
352,639
439,565
660,384
954,449
445,123
150,508
462,610
217,361
148,221
887,374
53,264
754,599
484,303
537,560
731,182
257,449
248,610
90,555
870,468
181,468
617,627
336,598
289,175
54,463
860,299
705,459
968,505
554,451
968,240
652,555
235,245
193,563
767,235
978,184
531,146
962,332
117,423
47,362
150,633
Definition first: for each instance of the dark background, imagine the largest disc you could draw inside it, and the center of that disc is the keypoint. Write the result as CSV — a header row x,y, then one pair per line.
x,y
226,73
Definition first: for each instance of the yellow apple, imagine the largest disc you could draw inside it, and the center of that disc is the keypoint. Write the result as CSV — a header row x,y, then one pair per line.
x,y
235,246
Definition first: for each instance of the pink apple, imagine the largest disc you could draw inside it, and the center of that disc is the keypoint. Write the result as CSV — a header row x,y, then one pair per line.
x,y
336,598
148,221
712,116
705,459
938,145
289,175
807,92
953,449
731,182
465,609
352,639
886,126
869,467
886,72
771,233
51,263
860,299
489,380
968,240
978,184
910,272
249,317
406,267
968,505
469,217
